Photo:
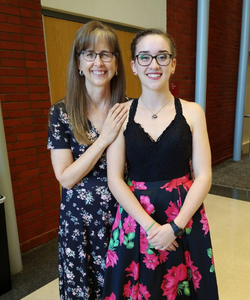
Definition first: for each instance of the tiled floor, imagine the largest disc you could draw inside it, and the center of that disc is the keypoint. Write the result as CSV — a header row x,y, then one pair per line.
x,y
229,223
47,292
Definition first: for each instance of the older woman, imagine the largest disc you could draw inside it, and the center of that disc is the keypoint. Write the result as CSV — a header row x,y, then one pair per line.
x,y
81,127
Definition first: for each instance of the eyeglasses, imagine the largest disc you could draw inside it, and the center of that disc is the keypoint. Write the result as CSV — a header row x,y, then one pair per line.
x,y
105,56
162,59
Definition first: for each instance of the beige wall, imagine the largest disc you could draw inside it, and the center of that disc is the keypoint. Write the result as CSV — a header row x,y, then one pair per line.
x,y
135,13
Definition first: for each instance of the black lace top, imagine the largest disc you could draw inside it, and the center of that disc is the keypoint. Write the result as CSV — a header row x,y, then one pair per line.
x,y
164,159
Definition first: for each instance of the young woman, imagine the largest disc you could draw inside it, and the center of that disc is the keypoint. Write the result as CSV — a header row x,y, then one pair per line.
x,y
160,246
81,127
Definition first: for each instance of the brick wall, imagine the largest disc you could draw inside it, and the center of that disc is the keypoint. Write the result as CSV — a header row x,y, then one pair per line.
x,y
223,60
25,100
181,25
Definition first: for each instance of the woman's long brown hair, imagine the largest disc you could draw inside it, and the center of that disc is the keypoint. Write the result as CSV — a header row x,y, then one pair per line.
x,y
77,98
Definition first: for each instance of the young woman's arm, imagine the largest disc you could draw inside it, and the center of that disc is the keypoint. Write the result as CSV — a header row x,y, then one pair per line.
x,y
69,172
201,158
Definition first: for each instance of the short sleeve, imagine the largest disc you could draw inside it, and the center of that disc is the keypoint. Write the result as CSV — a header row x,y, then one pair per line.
x,y
59,132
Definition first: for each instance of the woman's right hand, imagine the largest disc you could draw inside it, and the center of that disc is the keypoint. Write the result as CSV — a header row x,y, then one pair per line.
x,y
68,172
162,237
114,120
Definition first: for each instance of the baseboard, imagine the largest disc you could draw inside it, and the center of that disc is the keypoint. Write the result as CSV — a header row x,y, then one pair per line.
x,y
221,160
245,148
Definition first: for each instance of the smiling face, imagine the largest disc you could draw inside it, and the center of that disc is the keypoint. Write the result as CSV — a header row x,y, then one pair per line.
x,y
154,76
98,73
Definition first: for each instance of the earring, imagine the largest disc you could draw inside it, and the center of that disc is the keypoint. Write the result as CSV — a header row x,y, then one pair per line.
x,y
81,73
116,73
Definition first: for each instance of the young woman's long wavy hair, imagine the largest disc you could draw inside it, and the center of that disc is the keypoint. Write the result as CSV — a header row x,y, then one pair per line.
x,y
77,99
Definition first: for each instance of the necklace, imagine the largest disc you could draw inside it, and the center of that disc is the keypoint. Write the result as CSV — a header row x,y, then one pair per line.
x,y
154,115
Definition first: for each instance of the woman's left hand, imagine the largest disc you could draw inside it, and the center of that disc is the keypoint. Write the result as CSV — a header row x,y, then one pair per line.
x,y
163,238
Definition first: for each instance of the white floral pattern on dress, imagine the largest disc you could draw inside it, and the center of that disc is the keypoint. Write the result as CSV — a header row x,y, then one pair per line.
x,y
87,213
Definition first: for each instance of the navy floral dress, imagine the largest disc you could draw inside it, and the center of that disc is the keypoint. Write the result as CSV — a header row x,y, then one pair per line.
x,y
86,216
160,176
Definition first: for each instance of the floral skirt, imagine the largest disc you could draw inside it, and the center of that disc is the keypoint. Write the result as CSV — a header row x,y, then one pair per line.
x,y
87,213
135,270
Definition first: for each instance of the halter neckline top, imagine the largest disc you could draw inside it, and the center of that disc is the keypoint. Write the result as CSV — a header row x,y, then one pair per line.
x,y
164,159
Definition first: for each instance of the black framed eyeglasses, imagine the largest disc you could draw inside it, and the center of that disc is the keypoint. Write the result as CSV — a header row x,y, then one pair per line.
x,y
162,59
105,56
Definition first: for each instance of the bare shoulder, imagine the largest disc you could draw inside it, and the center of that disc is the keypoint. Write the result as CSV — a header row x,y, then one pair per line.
x,y
188,105
128,103
194,114
192,109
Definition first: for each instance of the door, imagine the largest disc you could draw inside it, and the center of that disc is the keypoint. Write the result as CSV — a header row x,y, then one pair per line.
x,y
59,36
